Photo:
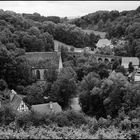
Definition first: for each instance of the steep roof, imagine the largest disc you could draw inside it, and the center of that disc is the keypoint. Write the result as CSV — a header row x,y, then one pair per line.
x,y
16,101
46,109
103,43
126,60
43,59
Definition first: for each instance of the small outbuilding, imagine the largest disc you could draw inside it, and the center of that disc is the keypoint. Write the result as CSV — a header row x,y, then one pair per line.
x,y
103,42
47,108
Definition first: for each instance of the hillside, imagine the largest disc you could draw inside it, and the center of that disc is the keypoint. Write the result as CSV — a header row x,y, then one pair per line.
x,y
101,34
119,26
106,20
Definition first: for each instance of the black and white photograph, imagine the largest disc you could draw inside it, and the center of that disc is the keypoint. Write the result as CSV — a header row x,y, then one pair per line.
x,y
70,70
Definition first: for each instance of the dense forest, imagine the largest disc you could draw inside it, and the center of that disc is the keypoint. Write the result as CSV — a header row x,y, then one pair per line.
x,y
33,32
118,25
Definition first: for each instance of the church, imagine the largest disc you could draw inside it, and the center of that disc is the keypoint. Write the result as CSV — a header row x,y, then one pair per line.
x,y
42,61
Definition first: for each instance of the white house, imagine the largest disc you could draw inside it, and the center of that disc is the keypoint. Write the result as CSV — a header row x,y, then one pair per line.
x,y
17,103
104,42
126,60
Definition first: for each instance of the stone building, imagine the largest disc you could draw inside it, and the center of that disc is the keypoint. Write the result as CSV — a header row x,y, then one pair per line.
x,y
42,61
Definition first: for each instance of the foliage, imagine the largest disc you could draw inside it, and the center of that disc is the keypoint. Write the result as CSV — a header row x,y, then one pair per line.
x,y
63,90
7,115
3,84
20,89
101,98
35,93
14,69
67,73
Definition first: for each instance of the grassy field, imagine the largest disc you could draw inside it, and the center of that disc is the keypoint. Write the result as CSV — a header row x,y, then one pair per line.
x,y
58,43
102,34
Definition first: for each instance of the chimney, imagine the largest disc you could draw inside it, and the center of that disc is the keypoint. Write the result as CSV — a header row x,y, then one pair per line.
x,y
12,94
51,106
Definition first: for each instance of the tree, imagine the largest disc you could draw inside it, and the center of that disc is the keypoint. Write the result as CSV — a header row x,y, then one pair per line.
x,y
54,19
89,98
100,25
34,31
14,69
114,14
6,36
48,43
64,88
3,85
49,27
67,73
32,43
62,91
34,94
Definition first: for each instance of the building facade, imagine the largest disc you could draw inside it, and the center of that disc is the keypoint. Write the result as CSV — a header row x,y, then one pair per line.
x,y
41,62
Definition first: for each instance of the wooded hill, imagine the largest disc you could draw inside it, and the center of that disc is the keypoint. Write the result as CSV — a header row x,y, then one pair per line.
x,y
118,25
33,32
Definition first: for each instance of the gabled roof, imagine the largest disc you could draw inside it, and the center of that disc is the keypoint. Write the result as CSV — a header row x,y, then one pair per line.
x,y
103,43
16,101
43,59
46,108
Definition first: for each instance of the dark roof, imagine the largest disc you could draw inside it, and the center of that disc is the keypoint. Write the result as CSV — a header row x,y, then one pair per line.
x,y
16,101
43,59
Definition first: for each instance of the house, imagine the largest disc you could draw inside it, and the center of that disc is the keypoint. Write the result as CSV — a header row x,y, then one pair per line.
x,y
42,61
11,98
17,103
79,50
104,42
126,60
46,108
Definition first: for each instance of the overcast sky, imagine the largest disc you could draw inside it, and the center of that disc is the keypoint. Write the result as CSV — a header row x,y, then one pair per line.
x,y
66,8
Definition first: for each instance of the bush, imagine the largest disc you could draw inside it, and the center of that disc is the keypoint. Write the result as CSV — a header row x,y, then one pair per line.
x,y
3,84
23,119
61,120
62,91
67,118
7,115
26,119
103,122
37,119
92,125
20,89
125,124
76,118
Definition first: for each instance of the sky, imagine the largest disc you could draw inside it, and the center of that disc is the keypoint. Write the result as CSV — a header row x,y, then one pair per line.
x,y
66,8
